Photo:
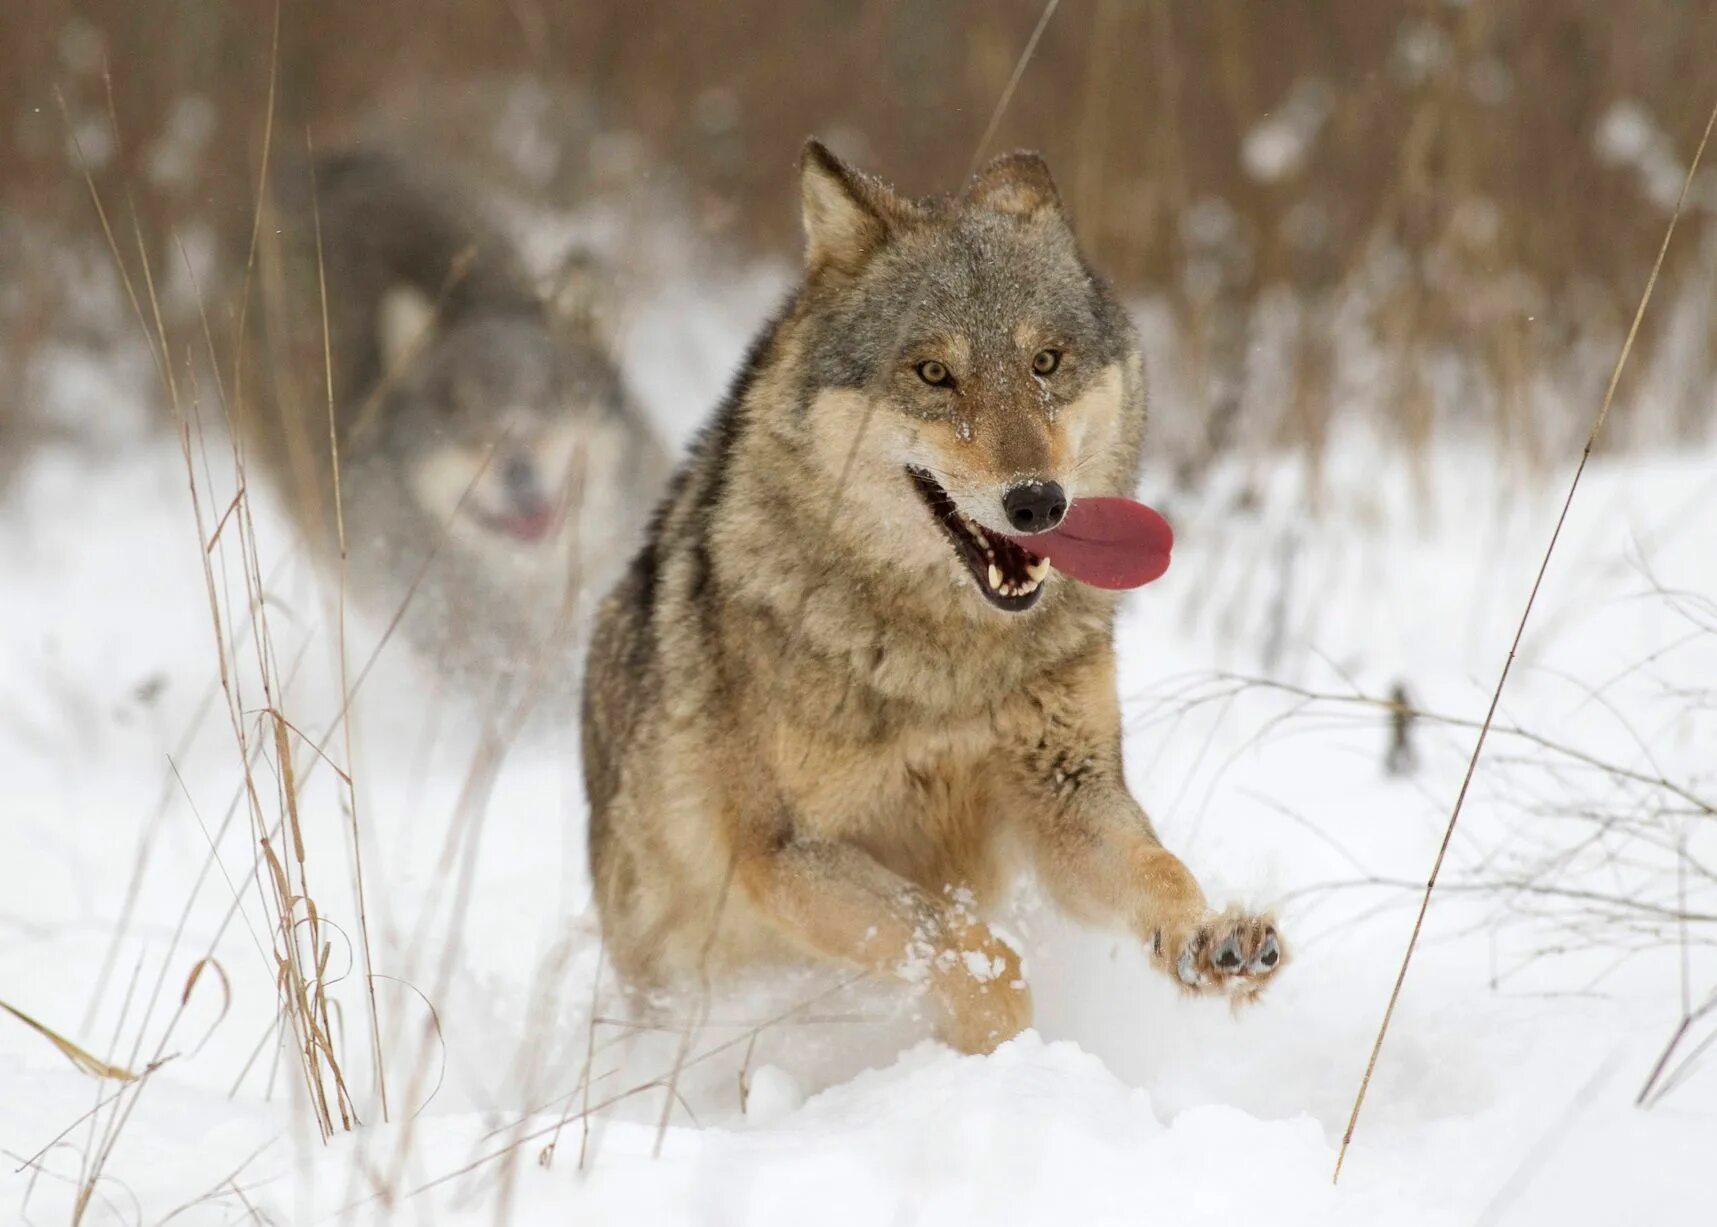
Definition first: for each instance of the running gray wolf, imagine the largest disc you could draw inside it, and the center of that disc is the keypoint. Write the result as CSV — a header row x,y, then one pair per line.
x,y
490,457
839,700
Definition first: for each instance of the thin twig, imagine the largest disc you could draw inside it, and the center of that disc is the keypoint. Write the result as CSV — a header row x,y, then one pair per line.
x,y
1013,84
701,1009
340,617
1520,631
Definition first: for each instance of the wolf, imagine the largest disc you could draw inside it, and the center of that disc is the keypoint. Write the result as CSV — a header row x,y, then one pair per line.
x,y
490,459
838,703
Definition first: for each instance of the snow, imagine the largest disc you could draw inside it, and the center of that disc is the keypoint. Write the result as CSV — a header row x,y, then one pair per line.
x,y
1628,136
1529,1023
1278,145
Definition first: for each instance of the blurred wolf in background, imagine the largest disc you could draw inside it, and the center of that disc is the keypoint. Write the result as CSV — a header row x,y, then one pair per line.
x,y
492,466
836,704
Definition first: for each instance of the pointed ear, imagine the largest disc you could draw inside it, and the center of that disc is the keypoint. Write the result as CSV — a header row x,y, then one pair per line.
x,y
581,300
404,319
1015,183
847,213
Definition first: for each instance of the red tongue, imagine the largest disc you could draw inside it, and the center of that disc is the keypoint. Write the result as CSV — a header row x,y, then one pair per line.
x,y
1107,543
529,525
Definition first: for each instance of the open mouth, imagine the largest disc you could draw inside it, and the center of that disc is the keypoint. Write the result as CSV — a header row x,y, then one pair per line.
x,y
1009,575
528,524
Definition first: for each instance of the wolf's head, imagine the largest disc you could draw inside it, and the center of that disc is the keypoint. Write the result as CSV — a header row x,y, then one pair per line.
x,y
965,375
489,414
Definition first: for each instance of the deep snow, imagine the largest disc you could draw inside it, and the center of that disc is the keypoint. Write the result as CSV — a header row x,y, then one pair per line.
x,y
1505,1093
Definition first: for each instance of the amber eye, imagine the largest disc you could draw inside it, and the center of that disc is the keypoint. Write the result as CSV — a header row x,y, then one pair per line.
x,y
1045,361
934,372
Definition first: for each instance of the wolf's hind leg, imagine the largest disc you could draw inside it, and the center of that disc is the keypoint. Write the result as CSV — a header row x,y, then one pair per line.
x,y
836,902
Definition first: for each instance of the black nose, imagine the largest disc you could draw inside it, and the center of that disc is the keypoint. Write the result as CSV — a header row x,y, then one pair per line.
x,y
520,477
1035,507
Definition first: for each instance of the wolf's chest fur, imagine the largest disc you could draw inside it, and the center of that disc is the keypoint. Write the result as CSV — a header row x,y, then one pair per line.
x,y
927,796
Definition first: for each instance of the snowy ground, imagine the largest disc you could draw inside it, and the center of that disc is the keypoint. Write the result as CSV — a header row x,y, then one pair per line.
x,y
1552,973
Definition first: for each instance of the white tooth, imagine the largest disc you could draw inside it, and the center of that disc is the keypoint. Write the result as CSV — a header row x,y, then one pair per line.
x,y
1030,585
995,576
1037,570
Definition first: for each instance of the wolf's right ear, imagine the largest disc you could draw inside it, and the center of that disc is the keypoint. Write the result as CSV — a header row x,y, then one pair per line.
x,y
1015,183
583,301
848,213
404,318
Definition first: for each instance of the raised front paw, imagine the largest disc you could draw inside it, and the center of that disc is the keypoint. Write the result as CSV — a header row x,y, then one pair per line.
x,y
1228,953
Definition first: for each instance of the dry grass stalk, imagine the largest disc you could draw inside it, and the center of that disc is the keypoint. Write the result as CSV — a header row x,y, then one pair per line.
x,y
1481,173
301,951
698,1012
87,1063
1520,632
345,666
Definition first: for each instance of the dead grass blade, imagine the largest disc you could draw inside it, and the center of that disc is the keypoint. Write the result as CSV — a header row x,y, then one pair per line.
x,y
1514,647
84,1060
340,623
700,1010
1012,85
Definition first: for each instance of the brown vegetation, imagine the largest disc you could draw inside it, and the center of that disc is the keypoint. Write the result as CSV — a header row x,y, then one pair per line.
x,y
1295,181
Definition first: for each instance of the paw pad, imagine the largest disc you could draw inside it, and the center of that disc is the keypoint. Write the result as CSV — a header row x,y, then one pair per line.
x,y
1230,953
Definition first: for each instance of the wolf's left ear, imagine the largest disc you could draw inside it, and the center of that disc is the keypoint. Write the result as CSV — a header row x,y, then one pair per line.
x,y
848,213
1015,183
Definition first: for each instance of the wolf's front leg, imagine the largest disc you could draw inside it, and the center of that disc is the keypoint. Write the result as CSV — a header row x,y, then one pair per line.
x,y
1094,845
1097,852
1102,861
837,903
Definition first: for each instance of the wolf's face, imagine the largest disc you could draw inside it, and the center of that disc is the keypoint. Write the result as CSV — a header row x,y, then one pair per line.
x,y
489,419
968,375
